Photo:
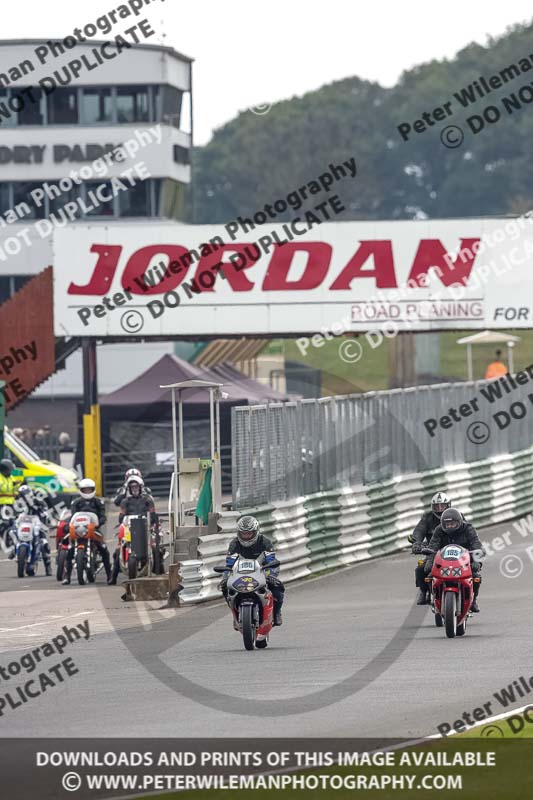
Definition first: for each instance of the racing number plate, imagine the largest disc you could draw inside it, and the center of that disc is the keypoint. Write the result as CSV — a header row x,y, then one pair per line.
x,y
246,566
451,552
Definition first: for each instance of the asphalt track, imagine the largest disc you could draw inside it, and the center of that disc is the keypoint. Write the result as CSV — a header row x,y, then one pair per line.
x,y
354,657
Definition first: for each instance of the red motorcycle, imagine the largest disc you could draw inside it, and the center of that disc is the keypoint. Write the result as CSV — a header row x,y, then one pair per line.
x,y
452,588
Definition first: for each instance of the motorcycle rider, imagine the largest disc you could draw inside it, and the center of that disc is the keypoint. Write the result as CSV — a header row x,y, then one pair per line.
x,y
7,499
137,500
123,491
88,502
422,535
28,502
454,529
250,543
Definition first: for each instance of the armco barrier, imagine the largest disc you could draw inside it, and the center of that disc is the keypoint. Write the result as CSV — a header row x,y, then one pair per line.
x,y
337,528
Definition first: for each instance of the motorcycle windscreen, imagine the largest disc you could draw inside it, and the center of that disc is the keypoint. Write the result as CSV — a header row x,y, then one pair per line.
x,y
139,537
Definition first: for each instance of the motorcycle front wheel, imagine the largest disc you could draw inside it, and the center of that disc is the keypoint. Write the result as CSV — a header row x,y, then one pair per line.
x,y
61,559
450,619
248,627
21,560
132,566
80,567
91,568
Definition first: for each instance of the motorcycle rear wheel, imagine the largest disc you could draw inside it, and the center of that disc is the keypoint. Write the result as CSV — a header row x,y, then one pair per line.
x,y
450,619
80,567
248,627
21,560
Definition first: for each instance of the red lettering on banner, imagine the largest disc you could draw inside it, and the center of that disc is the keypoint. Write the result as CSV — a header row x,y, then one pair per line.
x,y
432,253
316,268
134,274
103,273
208,263
383,263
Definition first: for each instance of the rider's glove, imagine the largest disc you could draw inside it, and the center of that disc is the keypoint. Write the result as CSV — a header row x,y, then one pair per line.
x,y
222,585
273,581
416,548
410,538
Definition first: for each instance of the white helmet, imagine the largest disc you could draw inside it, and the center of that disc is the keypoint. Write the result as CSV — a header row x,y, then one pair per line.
x,y
87,488
439,503
131,472
134,479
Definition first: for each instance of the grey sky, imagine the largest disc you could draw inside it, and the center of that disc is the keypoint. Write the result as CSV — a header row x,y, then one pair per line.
x,y
247,53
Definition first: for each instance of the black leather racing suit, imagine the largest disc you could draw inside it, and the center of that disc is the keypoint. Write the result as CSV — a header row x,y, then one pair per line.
x,y
132,505
465,536
422,535
95,506
261,545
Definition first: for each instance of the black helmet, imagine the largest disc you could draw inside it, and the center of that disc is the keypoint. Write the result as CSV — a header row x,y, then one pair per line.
x,y
451,520
6,467
439,503
247,530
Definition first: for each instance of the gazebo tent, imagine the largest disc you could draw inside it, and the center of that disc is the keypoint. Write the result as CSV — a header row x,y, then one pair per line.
x,y
488,337
136,418
144,392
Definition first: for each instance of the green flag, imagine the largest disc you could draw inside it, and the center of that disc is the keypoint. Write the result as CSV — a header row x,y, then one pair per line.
x,y
205,500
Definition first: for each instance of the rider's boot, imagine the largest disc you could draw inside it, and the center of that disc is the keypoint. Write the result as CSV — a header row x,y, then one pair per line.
x,y
421,597
68,573
474,607
278,620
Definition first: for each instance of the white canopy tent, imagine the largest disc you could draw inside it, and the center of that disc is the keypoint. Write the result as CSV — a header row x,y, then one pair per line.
x,y
488,337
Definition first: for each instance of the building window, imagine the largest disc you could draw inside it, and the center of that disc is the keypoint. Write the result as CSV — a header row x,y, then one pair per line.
x,y
63,107
10,284
55,204
102,208
170,105
22,194
5,197
32,111
133,104
97,106
135,202
11,117
182,155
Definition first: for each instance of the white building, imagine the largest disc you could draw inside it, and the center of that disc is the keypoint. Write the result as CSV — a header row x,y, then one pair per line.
x,y
60,109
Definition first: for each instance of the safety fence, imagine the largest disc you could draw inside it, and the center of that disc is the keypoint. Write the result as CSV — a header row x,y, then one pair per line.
x,y
284,451
336,528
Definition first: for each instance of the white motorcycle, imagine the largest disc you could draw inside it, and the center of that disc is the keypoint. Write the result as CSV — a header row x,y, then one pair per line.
x,y
30,541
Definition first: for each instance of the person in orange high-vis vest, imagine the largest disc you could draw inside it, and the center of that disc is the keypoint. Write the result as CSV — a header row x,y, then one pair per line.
x,y
496,368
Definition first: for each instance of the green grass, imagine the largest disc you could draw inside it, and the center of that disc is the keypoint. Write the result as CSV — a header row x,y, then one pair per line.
x,y
371,372
511,777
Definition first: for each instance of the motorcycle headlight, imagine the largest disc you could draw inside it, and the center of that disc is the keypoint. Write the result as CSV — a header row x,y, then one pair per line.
x,y
245,584
445,571
456,572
